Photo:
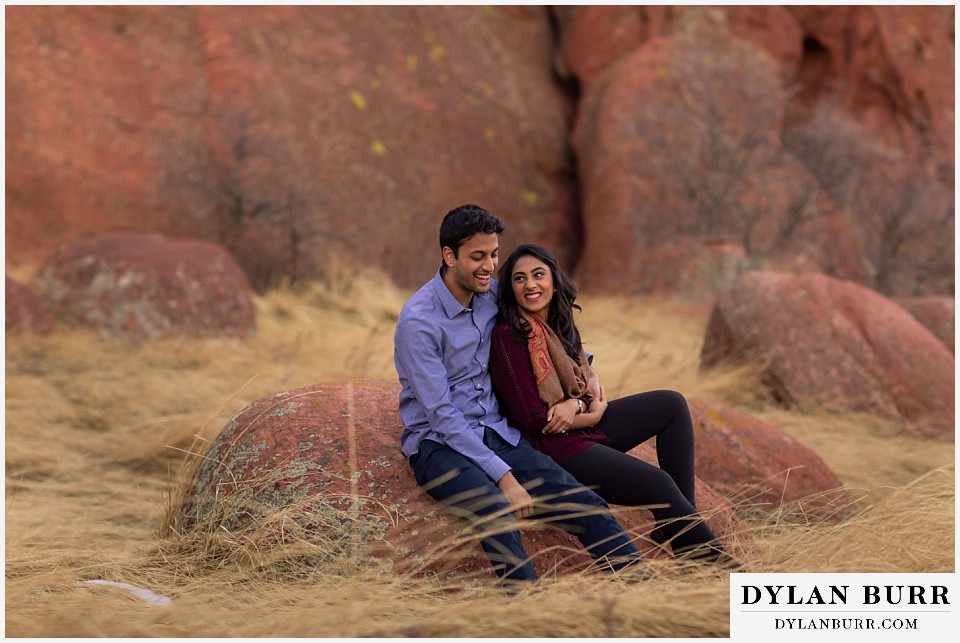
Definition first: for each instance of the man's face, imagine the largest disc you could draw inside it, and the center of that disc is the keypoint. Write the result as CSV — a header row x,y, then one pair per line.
x,y
471,271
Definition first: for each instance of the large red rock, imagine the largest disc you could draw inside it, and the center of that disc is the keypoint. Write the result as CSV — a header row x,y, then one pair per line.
x,y
295,136
25,312
831,344
326,458
644,140
678,142
936,313
210,122
592,37
148,285
761,467
894,65
773,30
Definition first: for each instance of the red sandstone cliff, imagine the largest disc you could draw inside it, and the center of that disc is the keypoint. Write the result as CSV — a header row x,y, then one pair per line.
x,y
302,137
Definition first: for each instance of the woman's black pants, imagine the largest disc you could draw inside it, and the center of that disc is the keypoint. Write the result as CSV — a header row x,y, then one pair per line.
x,y
667,490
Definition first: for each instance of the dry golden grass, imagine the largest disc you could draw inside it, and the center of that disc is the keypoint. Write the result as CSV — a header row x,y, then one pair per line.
x,y
97,431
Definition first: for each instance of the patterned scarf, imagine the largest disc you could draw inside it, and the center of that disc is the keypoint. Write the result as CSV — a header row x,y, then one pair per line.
x,y
558,377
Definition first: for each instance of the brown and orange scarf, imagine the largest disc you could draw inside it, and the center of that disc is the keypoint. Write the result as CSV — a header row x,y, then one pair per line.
x,y
558,377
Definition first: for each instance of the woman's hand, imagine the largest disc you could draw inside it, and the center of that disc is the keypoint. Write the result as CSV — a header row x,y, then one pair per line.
x,y
560,417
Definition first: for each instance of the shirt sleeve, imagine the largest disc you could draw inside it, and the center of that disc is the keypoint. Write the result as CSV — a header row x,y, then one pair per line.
x,y
515,384
419,356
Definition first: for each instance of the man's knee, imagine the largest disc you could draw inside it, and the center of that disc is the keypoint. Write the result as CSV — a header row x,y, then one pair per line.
x,y
466,492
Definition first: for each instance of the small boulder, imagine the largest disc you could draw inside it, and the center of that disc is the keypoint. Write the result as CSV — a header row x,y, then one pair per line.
x,y
327,458
25,312
148,285
759,466
831,344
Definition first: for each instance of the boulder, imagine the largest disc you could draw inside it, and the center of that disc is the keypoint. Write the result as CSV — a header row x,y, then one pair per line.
x,y
642,142
147,285
25,312
327,458
209,122
288,134
592,37
890,61
741,125
936,313
758,466
831,344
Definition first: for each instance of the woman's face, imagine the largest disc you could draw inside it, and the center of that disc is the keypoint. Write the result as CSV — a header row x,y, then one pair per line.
x,y
532,284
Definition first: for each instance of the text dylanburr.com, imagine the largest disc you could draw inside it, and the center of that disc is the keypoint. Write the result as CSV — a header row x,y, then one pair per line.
x,y
844,607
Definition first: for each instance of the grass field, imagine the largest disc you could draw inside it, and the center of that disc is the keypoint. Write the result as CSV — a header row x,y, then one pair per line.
x,y
97,431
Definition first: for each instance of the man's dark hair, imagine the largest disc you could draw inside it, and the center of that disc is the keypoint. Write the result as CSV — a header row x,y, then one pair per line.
x,y
463,222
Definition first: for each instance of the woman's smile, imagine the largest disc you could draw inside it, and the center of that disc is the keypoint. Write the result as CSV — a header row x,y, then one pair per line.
x,y
532,282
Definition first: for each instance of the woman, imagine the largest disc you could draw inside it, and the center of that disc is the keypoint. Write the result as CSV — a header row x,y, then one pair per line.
x,y
548,389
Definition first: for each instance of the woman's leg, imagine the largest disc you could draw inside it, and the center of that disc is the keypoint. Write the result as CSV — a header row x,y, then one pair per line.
x,y
560,500
631,420
622,479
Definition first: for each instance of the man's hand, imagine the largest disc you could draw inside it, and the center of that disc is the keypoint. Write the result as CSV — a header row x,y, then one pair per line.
x,y
598,405
593,383
520,501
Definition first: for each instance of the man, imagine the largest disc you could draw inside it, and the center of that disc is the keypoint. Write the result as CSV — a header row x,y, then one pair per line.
x,y
460,449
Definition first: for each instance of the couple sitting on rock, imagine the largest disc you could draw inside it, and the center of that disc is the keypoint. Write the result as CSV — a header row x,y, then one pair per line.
x,y
467,348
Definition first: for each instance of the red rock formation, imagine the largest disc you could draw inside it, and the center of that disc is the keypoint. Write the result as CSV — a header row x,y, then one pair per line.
x,y
886,64
661,185
761,467
773,30
593,37
299,136
147,285
25,312
678,140
292,135
936,313
329,455
831,344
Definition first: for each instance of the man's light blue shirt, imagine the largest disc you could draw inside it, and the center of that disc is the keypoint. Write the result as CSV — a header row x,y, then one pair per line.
x,y
442,352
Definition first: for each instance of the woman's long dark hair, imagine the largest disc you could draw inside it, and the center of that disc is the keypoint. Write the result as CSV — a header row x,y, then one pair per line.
x,y
560,317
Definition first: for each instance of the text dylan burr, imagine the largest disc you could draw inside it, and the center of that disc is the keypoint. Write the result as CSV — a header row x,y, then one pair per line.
x,y
839,594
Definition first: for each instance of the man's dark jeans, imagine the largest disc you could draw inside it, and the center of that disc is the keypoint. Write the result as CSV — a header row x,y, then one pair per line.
x,y
558,498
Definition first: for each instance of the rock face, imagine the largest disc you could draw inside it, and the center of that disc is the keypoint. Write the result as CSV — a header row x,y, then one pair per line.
x,y
25,312
328,456
287,134
890,59
763,468
296,134
148,285
797,97
643,143
831,344
936,313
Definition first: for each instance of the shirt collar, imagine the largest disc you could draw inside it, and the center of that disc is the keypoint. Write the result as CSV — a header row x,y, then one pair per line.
x,y
450,304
